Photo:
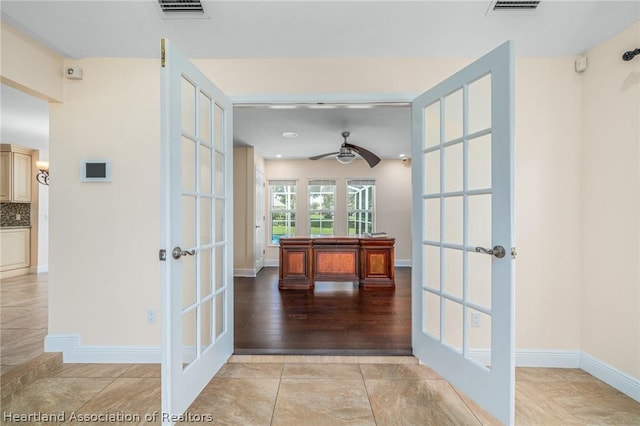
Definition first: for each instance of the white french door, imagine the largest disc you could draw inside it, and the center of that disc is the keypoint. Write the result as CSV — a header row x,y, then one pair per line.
x,y
463,270
197,231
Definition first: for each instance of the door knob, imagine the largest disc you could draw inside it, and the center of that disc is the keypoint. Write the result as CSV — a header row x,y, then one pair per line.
x,y
497,251
177,252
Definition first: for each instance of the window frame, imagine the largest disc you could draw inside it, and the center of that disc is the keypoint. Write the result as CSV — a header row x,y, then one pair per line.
x,y
366,211
323,211
289,212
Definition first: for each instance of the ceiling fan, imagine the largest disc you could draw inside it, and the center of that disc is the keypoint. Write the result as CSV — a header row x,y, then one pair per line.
x,y
346,154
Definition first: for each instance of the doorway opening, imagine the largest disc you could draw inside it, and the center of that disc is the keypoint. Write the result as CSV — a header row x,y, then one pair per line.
x,y
277,139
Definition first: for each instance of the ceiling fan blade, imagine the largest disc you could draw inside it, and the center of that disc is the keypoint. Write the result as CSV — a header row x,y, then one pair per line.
x,y
368,156
317,157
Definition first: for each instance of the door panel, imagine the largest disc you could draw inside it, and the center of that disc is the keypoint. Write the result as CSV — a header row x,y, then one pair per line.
x,y
197,228
463,311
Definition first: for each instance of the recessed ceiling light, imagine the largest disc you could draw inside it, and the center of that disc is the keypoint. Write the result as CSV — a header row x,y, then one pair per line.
x,y
283,106
278,155
290,134
403,155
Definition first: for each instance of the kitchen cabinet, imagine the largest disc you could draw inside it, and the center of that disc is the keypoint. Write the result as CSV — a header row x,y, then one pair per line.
x,y
15,249
15,174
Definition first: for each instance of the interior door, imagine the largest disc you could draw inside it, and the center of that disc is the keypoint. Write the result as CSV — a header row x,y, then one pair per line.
x,y
463,274
197,230
259,243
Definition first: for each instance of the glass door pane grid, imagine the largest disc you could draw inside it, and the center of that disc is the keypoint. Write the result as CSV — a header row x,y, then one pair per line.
x,y
442,293
195,306
198,194
218,121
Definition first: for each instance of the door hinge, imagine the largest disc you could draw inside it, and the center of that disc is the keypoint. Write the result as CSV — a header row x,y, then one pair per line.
x,y
162,254
163,53
514,253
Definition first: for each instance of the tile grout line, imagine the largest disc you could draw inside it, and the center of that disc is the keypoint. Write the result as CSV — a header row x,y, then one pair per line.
x,y
465,403
366,389
275,401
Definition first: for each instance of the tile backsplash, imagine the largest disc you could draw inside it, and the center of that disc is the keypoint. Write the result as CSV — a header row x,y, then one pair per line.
x,y
9,212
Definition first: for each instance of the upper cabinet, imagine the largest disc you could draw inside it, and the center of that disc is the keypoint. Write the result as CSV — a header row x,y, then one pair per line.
x,y
15,174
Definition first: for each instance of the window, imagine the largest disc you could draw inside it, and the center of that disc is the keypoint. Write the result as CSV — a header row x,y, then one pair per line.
x,y
360,205
322,197
282,195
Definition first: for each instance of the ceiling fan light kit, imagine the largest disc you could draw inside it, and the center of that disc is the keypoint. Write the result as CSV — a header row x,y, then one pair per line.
x,y
346,154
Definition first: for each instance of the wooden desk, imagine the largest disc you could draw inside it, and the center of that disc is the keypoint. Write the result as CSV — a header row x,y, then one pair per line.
x,y
369,261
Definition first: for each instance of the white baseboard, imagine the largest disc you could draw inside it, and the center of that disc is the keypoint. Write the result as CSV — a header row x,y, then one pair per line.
x,y
547,358
244,272
541,358
533,358
74,352
625,383
272,262
40,269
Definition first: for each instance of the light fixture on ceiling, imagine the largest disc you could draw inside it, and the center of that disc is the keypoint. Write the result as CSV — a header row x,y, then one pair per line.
x,y
289,135
43,174
345,156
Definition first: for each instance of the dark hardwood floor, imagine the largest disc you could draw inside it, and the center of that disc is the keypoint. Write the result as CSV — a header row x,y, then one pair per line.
x,y
334,318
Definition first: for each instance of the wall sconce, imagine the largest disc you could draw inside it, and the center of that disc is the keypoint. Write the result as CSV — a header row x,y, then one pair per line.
x,y
43,175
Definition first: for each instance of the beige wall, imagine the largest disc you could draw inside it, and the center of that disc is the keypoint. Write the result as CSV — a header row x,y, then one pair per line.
x,y
105,237
245,162
610,327
393,195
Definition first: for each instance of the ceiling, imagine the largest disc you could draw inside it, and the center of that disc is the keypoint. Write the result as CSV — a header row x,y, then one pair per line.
x,y
319,29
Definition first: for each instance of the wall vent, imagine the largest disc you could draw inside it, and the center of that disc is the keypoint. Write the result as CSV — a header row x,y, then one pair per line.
x,y
181,6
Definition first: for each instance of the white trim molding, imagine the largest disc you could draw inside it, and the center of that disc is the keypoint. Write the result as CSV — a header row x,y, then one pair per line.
x,y
240,272
541,358
74,352
620,380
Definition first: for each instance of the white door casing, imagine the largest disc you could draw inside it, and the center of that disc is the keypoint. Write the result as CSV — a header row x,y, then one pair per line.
x,y
259,235
196,217
463,299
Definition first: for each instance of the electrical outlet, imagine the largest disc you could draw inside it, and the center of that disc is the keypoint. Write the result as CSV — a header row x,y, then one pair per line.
x,y
475,319
18,216
151,316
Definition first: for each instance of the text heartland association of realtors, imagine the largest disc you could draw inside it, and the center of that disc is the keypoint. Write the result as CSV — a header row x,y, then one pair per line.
x,y
106,417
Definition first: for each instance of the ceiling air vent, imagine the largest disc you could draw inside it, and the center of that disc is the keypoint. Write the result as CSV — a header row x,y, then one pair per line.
x,y
181,6
518,7
515,5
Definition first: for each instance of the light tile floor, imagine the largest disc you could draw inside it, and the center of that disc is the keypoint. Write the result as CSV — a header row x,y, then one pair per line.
x,y
284,390
295,391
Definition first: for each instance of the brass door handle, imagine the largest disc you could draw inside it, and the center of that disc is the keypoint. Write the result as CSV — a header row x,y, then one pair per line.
x,y
497,251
